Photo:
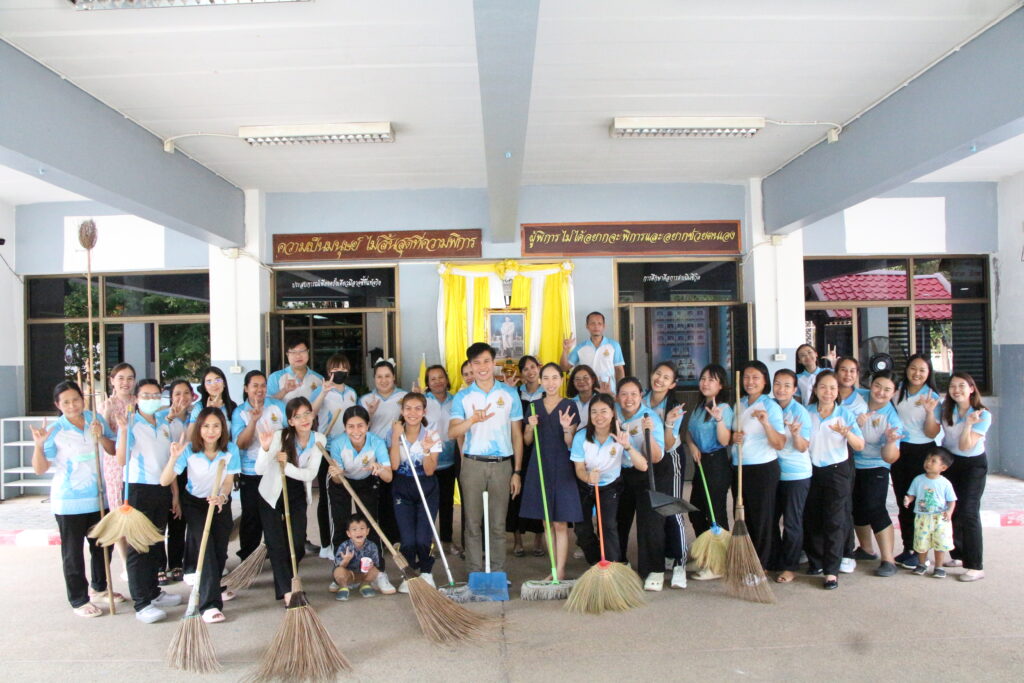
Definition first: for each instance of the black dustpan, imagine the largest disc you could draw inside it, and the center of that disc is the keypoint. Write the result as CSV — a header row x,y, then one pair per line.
x,y
662,503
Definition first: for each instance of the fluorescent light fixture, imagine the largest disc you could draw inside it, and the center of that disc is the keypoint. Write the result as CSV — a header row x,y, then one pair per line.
x,y
686,126
152,4
318,133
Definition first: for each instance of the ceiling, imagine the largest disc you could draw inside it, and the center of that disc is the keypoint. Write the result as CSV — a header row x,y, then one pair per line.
x,y
992,164
213,69
19,188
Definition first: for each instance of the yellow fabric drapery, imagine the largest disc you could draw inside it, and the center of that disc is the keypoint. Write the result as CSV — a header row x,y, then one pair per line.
x,y
453,289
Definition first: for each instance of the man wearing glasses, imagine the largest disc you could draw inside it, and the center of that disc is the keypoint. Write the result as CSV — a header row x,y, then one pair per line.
x,y
297,379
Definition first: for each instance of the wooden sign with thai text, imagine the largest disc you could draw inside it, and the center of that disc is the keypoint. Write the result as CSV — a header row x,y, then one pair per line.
x,y
631,239
388,245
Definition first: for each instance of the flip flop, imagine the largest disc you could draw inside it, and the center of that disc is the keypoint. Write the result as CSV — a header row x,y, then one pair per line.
x,y
781,579
100,597
228,596
539,552
213,616
519,552
89,611
176,574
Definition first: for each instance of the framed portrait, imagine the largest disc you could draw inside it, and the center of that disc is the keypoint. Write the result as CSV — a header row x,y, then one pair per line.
x,y
506,332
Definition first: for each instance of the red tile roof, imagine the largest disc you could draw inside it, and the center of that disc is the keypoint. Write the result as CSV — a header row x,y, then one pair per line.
x,y
886,285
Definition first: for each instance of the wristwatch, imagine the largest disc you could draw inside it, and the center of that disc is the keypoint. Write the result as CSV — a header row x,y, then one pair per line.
x,y
519,472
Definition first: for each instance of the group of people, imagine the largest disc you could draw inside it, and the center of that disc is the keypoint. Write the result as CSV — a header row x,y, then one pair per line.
x,y
817,452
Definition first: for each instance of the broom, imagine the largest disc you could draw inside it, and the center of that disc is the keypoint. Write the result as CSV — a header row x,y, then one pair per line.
x,y
553,589
453,591
127,522
711,547
607,586
243,576
87,238
191,648
302,648
440,619
744,575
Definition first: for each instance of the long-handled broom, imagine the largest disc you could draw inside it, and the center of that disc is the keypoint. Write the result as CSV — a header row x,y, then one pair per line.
x,y
711,547
607,586
459,592
744,575
302,649
553,589
191,648
243,576
127,522
87,238
441,619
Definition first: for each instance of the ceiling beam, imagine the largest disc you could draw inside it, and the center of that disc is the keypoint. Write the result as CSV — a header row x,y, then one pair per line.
x,y
53,130
506,34
969,101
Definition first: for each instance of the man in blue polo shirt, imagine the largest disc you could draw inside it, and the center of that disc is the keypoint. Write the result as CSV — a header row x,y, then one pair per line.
x,y
603,355
489,414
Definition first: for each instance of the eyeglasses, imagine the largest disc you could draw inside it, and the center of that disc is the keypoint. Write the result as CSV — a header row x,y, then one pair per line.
x,y
216,380
302,416
298,352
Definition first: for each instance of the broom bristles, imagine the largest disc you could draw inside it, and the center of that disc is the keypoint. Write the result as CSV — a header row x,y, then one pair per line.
x,y
606,587
744,576
191,649
130,524
442,620
546,590
243,576
87,233
302,649
710,549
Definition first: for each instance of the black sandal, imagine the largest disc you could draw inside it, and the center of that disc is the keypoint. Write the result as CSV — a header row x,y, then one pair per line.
x,y
161,579
177,574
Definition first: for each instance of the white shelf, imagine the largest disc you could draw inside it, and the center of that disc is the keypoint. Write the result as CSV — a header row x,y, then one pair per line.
x,y
19,470
27,482
20,443
14,433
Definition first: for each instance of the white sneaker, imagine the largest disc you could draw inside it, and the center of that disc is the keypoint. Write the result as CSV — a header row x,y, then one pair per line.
x,y
848,565
429,578
403,588
166,600
678,577
327,553
669,564
189,579
383,585
150,614
655,581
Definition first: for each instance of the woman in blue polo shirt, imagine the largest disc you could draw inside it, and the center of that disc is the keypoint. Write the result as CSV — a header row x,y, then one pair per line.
x,y
213,393
794,479
965,421
834,431
439,413
761,430
70,449
883,430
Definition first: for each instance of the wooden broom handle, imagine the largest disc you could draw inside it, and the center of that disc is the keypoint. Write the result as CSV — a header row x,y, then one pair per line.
x,y
739,446
288,521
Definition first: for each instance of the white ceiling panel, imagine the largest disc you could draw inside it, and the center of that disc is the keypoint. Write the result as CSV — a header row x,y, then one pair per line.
x,y
992,164
18,188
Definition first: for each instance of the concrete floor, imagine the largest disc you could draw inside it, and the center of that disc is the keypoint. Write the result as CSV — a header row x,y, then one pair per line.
x,y
905,628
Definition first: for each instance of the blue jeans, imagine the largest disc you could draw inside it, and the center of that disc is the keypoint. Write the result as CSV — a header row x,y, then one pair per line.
x,y
413,523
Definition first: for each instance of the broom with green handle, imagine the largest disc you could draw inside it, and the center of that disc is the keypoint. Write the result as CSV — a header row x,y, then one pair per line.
x,y
553,589
712,546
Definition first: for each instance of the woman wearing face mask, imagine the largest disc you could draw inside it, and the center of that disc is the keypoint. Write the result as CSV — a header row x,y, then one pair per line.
x,y
258,413
555,421
915,402
581,389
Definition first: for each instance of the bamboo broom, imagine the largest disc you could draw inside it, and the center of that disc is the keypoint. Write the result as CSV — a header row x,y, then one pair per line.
x,y
302,649
191,648
440,619
744,575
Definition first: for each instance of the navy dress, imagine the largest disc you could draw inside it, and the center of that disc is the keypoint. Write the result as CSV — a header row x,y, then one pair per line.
x,y
559,471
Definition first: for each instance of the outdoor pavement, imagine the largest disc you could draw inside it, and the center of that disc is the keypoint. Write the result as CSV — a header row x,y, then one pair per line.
x,y
905,628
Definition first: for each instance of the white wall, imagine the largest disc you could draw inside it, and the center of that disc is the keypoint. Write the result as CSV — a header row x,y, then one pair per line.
x,y
12,320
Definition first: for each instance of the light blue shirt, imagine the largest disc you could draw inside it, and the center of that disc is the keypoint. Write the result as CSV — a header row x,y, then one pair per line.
x,y
416,452
828,447
439,415
309,387
72,455
660,410
635,429
583,409
602,359
336,402
493,437
794,464
874,429
857,401
387,411
913,415
202,471
530,396
951,433
148,448
605,457
805,385
197,408
357,463
756,449
705,432
931,496
272,419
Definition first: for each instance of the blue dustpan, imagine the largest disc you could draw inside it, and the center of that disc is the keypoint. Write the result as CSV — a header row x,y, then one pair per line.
x,y
488,586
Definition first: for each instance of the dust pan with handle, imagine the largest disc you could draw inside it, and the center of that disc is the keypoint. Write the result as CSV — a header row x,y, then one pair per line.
x,y
488,586
662,503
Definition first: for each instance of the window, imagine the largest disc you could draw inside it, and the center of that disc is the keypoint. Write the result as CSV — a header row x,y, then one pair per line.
x,y
942,311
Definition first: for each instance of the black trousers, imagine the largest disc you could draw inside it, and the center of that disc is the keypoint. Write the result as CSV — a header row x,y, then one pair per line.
x,y
250,528
73,530
650,526
717,468
323,518
194,510
827,516
967,475
788,524
446,480
668,475
368,490
586,537
910,464
759,485
154,501
181,551
386,506
870,487
275,534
